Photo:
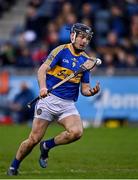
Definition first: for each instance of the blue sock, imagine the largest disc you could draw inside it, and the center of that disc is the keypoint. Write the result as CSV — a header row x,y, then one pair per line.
x,y
50,143
15,163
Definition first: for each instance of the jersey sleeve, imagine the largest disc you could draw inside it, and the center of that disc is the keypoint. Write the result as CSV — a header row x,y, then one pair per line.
x,y
86,74
54,57
85,78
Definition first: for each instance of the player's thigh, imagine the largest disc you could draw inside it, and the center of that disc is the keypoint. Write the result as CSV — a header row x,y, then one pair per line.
x,y
72,123
38,129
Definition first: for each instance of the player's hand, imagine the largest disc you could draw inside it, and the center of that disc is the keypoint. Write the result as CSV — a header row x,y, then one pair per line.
x,y
43,92
96,89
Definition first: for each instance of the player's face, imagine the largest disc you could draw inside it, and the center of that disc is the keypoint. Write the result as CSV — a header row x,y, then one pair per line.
x,y
82,40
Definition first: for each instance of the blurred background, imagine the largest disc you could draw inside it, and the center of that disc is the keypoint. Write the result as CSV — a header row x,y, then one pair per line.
x,y
30,29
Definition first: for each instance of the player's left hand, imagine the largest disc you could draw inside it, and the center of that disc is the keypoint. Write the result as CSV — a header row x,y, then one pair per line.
x,y
95,90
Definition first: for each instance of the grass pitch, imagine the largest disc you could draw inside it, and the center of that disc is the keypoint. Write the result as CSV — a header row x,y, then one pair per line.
x,y
101,153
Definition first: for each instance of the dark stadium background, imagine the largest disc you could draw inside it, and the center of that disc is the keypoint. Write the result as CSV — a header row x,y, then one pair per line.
x,y
29,30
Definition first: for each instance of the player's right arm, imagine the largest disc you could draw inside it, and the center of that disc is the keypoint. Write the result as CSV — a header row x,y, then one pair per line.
x,y
41,75
49,63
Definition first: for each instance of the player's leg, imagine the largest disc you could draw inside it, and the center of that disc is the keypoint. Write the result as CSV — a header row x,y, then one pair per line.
x,y
73,131
38,130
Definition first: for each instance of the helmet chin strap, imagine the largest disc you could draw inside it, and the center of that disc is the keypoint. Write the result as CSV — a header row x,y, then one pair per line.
x,y
74,38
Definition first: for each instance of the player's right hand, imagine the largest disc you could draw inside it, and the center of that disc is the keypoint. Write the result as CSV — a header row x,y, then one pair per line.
x,y
43,92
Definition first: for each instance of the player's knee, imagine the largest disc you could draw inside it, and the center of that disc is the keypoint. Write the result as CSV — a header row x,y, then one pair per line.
x,y
34,140
76,134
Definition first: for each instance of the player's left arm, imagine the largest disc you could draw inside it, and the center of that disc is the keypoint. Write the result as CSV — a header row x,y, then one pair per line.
x,y
86,90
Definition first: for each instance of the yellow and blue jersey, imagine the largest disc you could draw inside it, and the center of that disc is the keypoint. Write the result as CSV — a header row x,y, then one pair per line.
x,y
63,61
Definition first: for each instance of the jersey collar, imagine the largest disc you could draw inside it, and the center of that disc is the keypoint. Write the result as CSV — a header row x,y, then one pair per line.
x,y
72,50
